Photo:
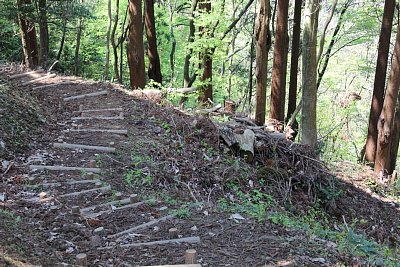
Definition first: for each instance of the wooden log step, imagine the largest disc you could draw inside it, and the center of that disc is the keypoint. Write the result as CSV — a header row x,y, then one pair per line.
x,y
177,265
94,215
104,92
15,76
71,182
52,75
52,85
97,118
122,201
142,226
85,147
89,130
100,189
189,240
63,168
98,110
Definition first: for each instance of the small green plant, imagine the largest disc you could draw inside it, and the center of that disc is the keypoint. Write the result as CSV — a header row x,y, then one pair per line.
x,y
182,213
10,215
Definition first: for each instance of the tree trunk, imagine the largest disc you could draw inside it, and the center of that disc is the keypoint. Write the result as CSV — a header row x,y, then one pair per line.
x,y
24,36
262,35
154,70
171,9
278,91
187,79
113,44
64,31
44,33
252,57
108,33
32,39
135,45
386,118
394,147
206,92
78,45
309,88
380,78
294,64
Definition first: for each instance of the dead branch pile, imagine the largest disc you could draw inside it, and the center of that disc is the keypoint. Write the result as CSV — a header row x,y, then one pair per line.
x,y
291,165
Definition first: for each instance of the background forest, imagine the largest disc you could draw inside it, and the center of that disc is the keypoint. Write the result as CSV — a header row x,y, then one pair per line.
x,y
348,36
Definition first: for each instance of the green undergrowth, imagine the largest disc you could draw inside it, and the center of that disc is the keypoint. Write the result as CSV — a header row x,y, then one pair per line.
x,y
20,116
315,223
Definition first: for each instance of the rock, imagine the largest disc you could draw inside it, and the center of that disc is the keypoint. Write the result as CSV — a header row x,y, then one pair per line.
x,y
163,208
98,230
2,197
194,228
319,260
237,217
2,147
95,241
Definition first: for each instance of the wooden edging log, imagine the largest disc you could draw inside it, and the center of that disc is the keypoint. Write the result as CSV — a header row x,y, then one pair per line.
x,y
142,226
94,215
101,189
52,85
189,240
52,75
177,265
209,110
98,110
72,182
104,92
24,74
184,91
124,132
63,168
122,201
85,147
98,118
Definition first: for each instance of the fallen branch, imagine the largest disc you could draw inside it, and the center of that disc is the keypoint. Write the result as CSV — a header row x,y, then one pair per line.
x,y
189,240
49,76
104,92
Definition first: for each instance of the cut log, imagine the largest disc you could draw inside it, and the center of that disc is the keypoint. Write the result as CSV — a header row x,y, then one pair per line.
x,y
209,110
101,189
63,168
98,110
143,226
189,240
15,76
52,75
124,132
230,106
190,256
52,85
177,265
97,118
85,147
227,135
246,144
117,202
184,91
104,92
151,94
72,182
81,260
94,215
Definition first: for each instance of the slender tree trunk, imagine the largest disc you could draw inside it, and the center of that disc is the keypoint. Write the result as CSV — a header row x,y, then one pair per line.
x,y
64,31
108,34
44,33
294,63
113,44
262,35
206,93
278,91
386,118
32,39
78,44
252,57
24,36
187,79
135,45
171,32
309,88
322,38
380,78
154,70
394,147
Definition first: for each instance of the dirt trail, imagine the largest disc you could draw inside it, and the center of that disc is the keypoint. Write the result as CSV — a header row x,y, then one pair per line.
x,y
104,211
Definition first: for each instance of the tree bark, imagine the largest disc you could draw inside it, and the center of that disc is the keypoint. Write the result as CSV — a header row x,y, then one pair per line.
x,y
262,35
113,44
386,118
44,33
206,92
64,31
24,35
135,45
394,146
32,39
108,34
380,78
78,44
278,91
309,87
294,63
173,46
187,79
154,70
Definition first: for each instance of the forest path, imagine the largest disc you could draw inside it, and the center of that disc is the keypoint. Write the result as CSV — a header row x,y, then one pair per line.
x,y
85,190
